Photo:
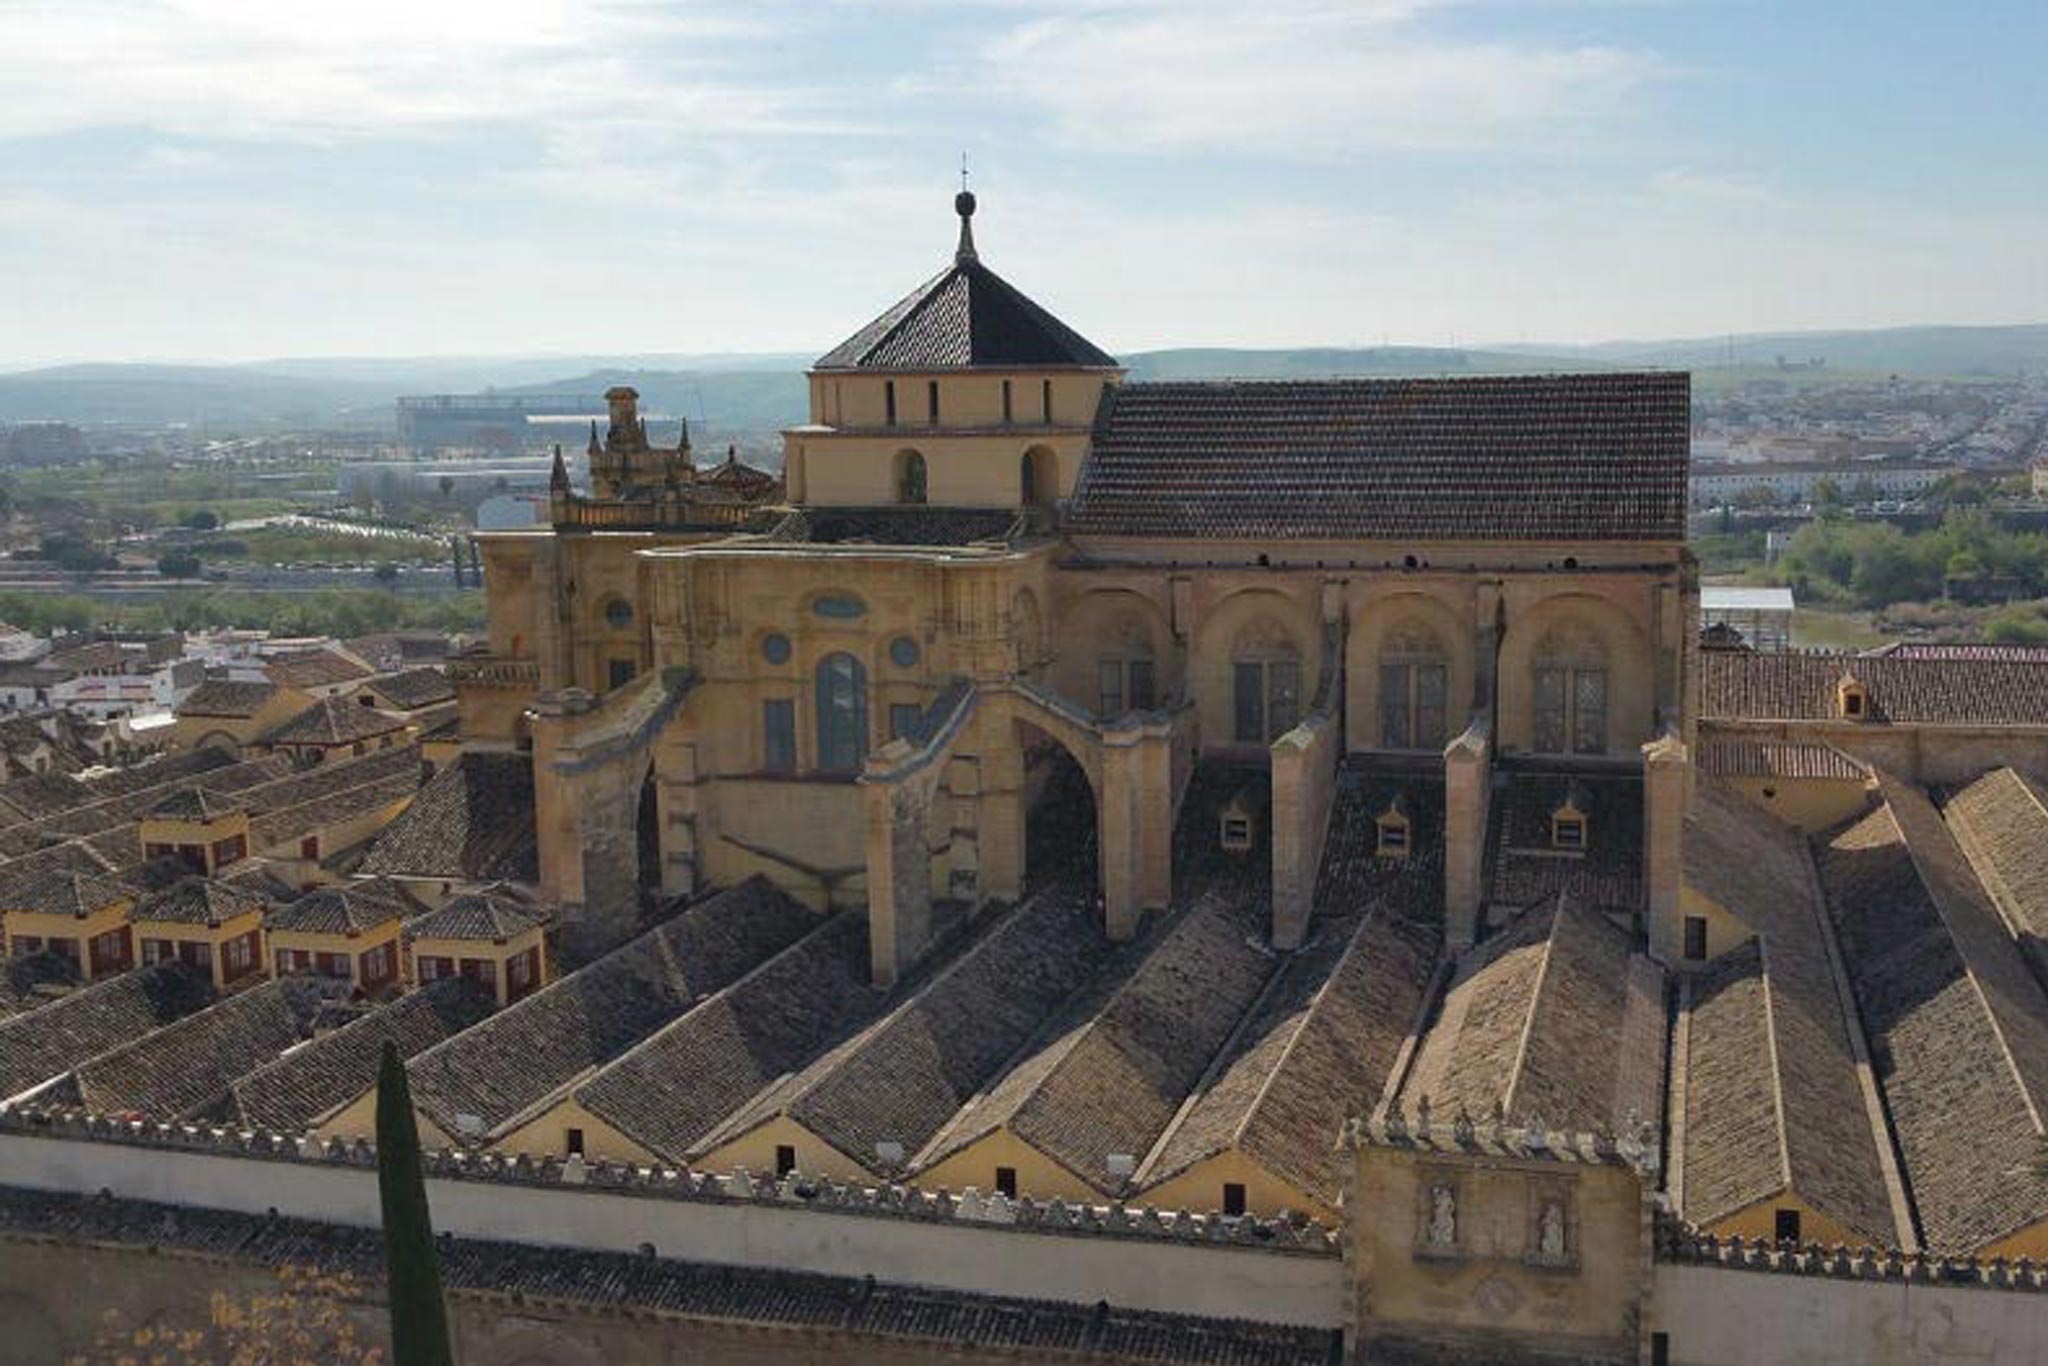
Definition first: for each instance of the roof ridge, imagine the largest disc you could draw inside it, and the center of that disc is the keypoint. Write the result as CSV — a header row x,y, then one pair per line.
x,y
1763,966
1507,1103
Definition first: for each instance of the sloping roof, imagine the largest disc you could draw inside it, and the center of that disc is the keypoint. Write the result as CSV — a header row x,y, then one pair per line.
x,y
1908,689
1111,1082
47,1042
1319,1048
1743,756
233,701
334,721
198,901
294,1092
315,668
1771,1094
22,976
903,1079
63,893
1958,1026
183,1070
1540,457
1526,868
670,1090
472,820
555,1037
965,316
2001,821
413,689
194,804
1555,1018
474,915
349,908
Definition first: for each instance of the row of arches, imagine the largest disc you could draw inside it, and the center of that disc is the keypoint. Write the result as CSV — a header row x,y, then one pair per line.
x,y
1037,478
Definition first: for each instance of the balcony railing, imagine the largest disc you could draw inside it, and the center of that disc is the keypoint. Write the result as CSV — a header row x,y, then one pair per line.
x,y
494,671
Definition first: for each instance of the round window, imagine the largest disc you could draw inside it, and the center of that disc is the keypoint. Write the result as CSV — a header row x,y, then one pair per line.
x,y
775,649
619,613
903,652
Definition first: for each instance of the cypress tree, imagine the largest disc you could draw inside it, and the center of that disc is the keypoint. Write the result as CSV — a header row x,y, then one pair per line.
x,y
419,1318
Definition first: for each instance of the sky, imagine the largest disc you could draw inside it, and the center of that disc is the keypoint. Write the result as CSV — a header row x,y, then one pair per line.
x,y
242,179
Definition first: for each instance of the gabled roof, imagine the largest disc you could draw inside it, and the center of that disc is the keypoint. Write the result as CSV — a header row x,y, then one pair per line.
x,y
2001,821
1599,457
294,1092
350,908
481,916
199,901
473,820
315,668
335,721
413,689
45,1043
232,701
963,317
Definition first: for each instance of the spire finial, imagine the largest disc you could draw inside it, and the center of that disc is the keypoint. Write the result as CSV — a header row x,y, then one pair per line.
x,y
594,447
558,477
963,204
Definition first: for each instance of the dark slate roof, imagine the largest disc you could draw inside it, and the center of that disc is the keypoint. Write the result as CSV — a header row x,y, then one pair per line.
x,y
1554,1018
194,804
472,820
901,1080
1908,689
1111,1084
335,721
237,701
413,688
966,316
1958,1026
671,1090
553,1038
1527,870
1539,457
182,1071
348,908
22,976
865,1318
47,1042
1319,1048
474,915
1771,1094
198,901
301,1089
66,893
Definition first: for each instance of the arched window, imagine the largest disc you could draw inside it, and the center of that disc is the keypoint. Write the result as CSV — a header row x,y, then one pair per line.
x,y
1412,687
842,714
1569,700
910,478
1037,478
1124,674
1265,683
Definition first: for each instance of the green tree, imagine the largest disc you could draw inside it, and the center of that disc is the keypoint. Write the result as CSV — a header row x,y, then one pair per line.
x,y
1826,493
178,564
201,520
419,1316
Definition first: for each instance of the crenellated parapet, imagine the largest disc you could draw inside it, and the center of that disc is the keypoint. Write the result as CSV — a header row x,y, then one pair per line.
x,y
1680,1243
1636,1148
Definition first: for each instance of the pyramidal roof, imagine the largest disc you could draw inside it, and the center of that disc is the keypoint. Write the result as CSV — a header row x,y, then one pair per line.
x,y
963,317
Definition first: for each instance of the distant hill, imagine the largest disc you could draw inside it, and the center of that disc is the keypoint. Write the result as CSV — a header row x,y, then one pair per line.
x,y
723,393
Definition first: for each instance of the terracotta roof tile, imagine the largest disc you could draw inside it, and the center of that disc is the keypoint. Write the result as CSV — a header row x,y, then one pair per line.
x,y
1906,689
335,721
473,820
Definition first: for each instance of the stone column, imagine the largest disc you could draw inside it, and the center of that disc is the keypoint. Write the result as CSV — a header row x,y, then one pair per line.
x,y
1468,791
899,873
1120,825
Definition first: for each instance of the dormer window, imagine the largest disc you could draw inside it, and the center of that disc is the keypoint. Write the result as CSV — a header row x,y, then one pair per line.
x,y
1238,830
1568,821
1394,829
1851,699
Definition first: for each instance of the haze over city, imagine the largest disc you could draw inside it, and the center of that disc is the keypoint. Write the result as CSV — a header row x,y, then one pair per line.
x,y
201,180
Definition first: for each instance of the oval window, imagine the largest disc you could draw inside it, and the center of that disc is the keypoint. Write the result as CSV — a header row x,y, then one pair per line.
x,y
842,605
903,652
619,613
775,649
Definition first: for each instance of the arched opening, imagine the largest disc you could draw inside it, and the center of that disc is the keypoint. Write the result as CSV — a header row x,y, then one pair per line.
x,y
842,713
911,481
1413,687
1038,478
647,836
1568,693
1060,837
1265,674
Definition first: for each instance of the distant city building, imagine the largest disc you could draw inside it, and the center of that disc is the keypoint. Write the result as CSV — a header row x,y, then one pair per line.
x,y
1717,485
506,422
1762,615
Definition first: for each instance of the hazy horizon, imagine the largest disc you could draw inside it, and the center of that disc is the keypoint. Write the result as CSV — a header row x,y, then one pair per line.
x,y
196,181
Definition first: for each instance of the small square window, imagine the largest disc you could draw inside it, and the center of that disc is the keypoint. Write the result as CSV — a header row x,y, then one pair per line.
x,y
1233,1198
1696,938
1568,833
1393,842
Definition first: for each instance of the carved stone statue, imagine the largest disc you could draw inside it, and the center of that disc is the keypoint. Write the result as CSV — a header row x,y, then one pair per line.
x,y
1443,1217
1550,1229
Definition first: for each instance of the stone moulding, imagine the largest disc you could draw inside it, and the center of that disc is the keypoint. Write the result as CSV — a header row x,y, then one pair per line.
x,y
1528,1142
992,1210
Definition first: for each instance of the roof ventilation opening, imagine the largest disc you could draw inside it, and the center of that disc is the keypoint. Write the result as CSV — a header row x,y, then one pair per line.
x,y
1122,1165
1265,561
1408,562
1571,562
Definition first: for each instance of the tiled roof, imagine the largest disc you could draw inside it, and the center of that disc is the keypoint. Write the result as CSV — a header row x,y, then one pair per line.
x,y
965,316
556,1036
198,901
1111,1082
65,893
1771,1095
1555,1018
233,701
335,721
349,908
671,1090
901,1080
193,804
472,820
1354,875
1318,1049
47,1042
1958,1026
182,1070
1598,457
1903,689
485,916
413,688
301,1089
936,526
1526,870
22,975
1743,756
316,668
867,1318
2001,821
